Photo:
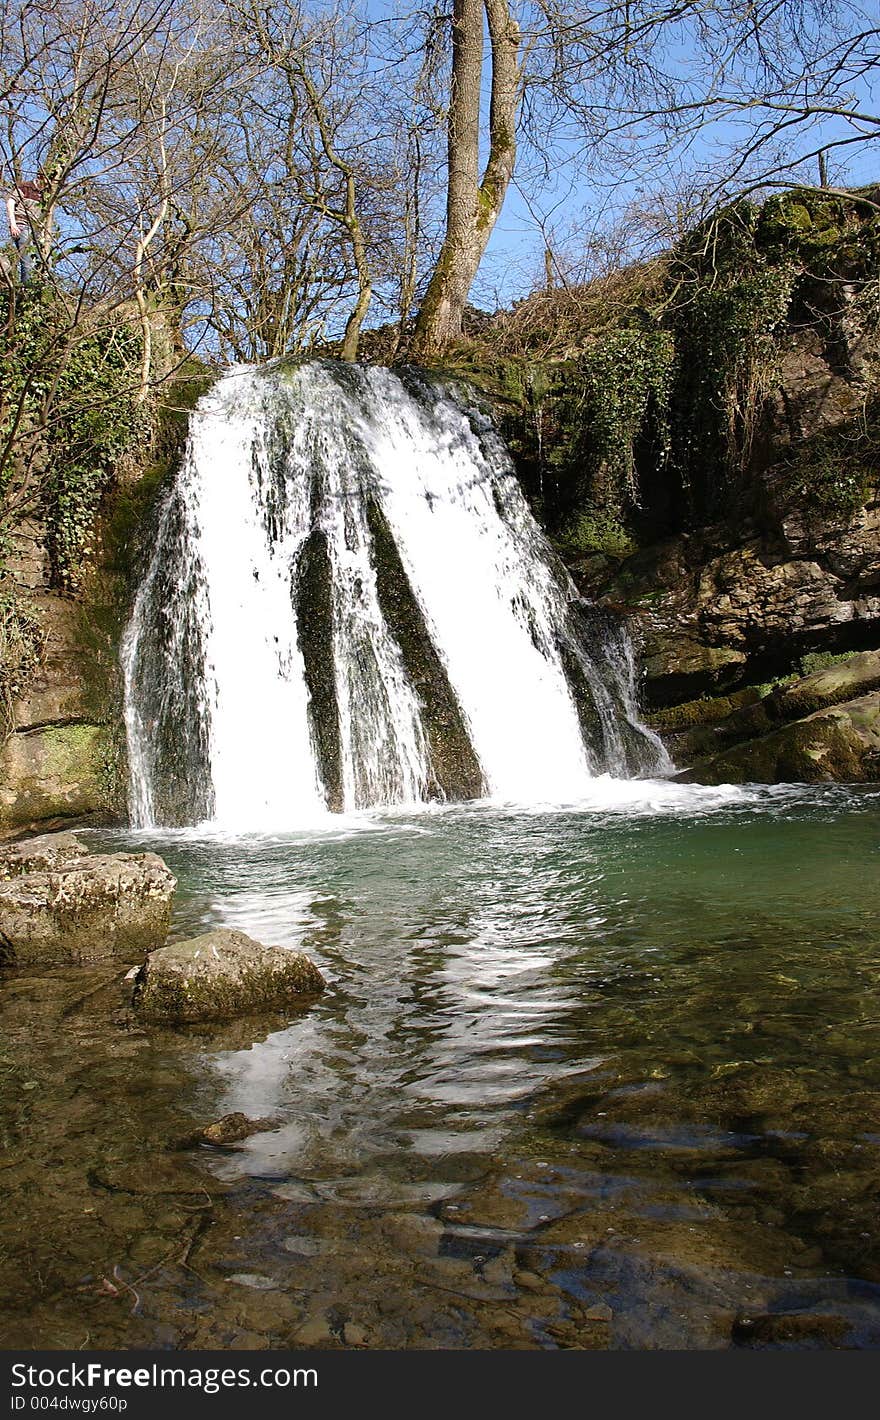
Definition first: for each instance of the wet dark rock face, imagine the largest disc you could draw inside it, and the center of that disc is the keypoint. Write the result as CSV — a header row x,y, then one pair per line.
x,y
313,599
457,772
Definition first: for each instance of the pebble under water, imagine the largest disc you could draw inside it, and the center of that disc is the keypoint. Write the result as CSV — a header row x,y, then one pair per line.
x,y
595,1076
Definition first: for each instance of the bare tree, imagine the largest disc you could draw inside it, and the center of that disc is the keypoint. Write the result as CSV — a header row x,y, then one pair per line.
x,y
473,203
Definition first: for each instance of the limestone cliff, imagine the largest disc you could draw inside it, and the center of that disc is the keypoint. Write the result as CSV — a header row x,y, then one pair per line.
x,y
62,758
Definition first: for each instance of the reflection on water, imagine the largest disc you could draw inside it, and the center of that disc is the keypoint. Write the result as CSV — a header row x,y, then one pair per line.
x,y
602,1075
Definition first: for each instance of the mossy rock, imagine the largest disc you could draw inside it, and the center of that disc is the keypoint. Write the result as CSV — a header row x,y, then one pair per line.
x,y
676,719
678,668
219,975
855,676
839,745
60,771
846,679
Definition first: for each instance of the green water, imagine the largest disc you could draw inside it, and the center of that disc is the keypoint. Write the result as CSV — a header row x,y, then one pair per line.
x,y
585,1077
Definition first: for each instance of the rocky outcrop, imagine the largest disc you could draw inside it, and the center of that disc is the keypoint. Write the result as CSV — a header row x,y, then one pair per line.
x,y
824,726
712,612
754,716
221,974
62,757
61,905
57,771
841,744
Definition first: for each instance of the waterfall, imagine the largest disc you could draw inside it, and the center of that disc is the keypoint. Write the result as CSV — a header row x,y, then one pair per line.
x,y
349,604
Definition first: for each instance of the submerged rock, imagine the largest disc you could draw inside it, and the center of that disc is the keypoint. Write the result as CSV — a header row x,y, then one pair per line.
x,y
221,974
225,1133
61,905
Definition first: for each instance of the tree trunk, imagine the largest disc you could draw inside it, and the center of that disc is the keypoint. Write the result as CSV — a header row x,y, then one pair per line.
x,y
472,206
353,325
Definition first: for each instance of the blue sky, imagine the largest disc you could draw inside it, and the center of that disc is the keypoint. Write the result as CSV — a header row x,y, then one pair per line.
x,y
581,192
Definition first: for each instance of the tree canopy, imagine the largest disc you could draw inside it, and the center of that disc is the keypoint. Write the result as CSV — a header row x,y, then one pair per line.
x,y
280,173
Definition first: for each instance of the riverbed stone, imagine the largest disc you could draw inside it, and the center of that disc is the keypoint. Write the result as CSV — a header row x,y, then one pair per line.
x,y
69,906
220,974
225,1133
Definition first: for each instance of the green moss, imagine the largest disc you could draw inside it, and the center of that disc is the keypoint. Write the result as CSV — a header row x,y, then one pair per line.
x,y
705,711
74,751
822,660
63,771
596,529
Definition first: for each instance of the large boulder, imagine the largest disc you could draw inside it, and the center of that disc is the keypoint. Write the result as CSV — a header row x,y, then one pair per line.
x,y
61,905
220,974
839,744
690,737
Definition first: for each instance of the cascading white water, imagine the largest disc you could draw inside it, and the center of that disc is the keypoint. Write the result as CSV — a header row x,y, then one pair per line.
x,y
472,554
349,605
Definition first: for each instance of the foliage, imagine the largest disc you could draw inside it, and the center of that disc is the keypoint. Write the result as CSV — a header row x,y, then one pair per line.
x,y
68,413
597,529
553,324
821,661
70,421
725,338
98,420
837,472
738,282
620,377
649,397
21,650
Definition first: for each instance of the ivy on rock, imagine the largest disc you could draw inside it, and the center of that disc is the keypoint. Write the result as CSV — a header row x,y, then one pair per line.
x,y
67,414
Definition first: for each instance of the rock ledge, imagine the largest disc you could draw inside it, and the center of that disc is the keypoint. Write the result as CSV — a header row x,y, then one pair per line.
x,y
61,905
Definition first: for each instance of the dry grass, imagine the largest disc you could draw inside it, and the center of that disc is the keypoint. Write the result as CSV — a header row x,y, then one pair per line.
x,y
556,323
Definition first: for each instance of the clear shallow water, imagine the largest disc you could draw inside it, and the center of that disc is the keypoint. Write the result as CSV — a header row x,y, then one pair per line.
x,y
599,1075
